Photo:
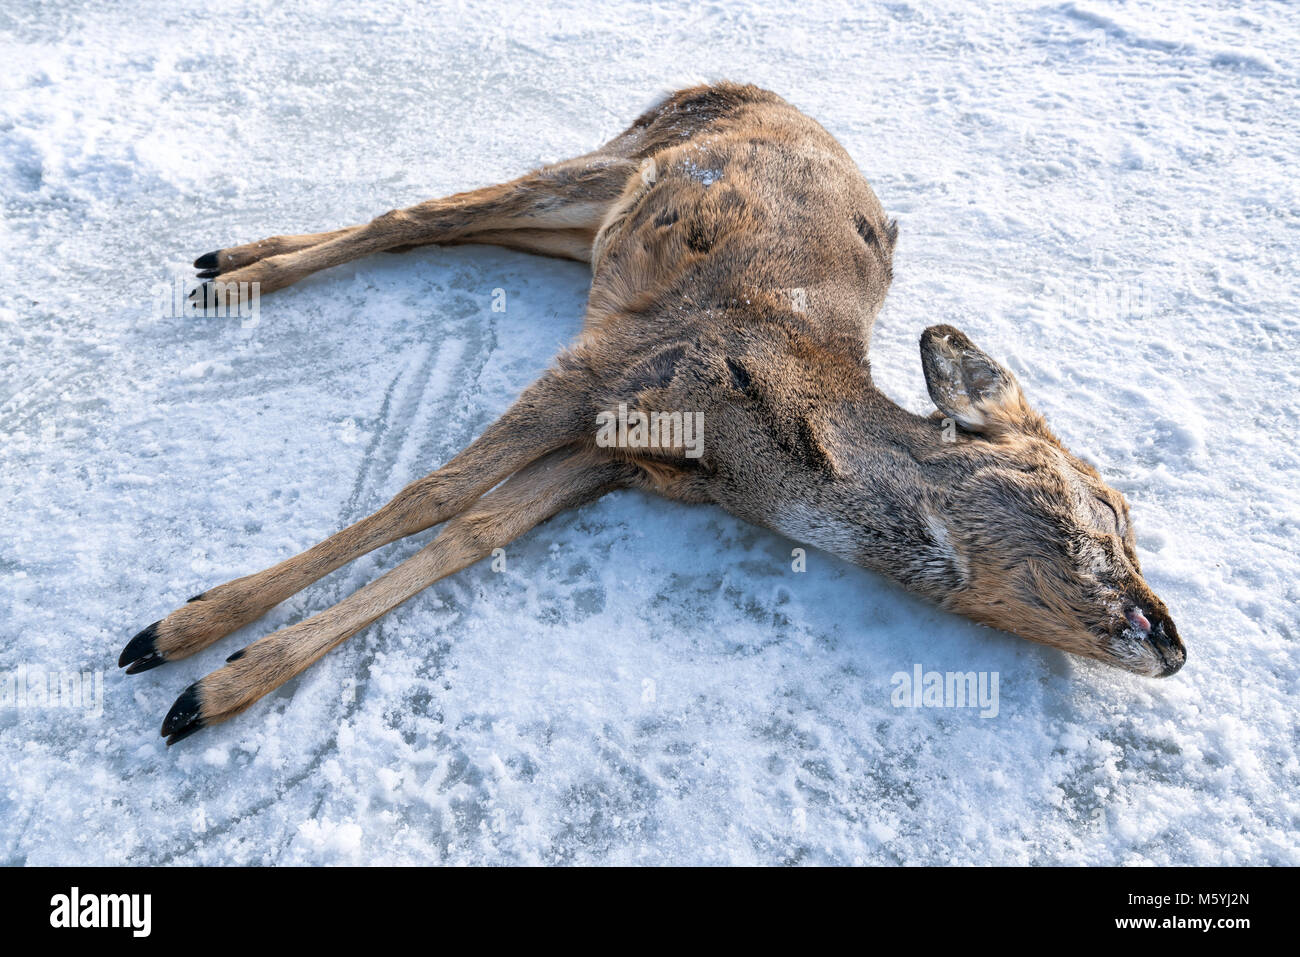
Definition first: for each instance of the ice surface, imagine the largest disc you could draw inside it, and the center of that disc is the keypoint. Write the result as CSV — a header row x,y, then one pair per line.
x,y
1103,195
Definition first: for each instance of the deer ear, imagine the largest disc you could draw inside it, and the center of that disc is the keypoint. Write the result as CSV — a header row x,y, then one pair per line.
x,y
969,386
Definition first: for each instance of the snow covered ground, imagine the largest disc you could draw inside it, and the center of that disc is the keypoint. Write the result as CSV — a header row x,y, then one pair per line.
x,y
1102,195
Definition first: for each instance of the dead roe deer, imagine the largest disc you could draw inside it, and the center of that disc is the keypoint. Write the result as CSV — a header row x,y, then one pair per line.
x,y
738,261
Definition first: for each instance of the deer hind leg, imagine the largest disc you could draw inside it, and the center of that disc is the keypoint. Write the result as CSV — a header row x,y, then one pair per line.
x,y
555,210
548,415
221,261
560,243
564,479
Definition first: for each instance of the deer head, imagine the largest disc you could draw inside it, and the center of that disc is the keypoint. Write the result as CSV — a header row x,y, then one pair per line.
x,y
1046,547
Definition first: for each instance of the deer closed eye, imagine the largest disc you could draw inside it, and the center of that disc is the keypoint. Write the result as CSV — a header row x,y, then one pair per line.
x,y
1109,518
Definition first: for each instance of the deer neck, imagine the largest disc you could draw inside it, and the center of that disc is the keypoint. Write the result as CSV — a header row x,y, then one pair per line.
x,y
878,499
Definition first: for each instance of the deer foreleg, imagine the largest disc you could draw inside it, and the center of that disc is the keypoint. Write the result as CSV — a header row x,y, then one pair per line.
x,y
560,481
548,415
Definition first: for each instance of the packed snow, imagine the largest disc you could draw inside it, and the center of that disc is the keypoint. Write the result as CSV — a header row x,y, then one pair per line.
x,y
1103,195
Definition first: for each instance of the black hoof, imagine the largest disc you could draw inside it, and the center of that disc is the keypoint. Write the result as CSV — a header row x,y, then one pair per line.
x,y
207,260
184,718
202,295
140,652
209,273
182,735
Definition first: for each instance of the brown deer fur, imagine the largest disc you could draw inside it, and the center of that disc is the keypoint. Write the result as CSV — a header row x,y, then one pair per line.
x,y
739,260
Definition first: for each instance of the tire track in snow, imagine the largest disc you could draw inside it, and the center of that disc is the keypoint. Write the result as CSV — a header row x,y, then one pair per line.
x,y
401,424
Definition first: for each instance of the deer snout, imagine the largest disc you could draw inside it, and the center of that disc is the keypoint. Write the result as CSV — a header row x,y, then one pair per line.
x,y
1155,629
1164,638
1170,648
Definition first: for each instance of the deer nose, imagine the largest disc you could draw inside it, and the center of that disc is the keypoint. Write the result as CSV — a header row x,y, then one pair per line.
x,y
1164,639
1157,629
